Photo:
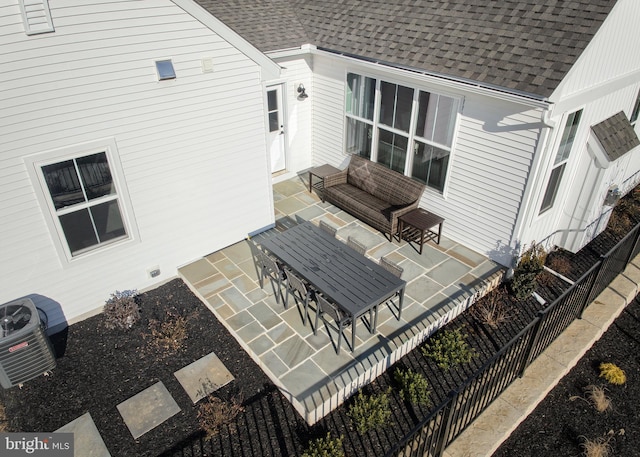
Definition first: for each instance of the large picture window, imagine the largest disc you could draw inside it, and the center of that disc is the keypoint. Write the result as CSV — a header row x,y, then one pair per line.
x,y
560,162
84,200
412,131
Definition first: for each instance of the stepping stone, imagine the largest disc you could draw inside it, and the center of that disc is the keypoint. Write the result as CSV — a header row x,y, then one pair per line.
x,y
203,376
148,409
87,441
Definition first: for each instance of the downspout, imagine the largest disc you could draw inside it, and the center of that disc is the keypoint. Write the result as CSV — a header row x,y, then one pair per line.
x,y
529,197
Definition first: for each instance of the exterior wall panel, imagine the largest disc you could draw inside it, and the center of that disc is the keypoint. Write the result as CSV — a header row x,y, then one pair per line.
x,y
192,150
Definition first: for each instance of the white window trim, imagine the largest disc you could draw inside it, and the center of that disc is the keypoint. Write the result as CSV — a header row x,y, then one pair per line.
x,y
36,16
376,124
34,164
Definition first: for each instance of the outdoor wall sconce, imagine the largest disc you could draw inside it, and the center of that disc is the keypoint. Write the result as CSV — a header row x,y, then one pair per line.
x,y
302,94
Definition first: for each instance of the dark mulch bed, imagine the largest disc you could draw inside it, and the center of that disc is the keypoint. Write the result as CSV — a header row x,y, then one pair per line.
x,y
99,368
561,422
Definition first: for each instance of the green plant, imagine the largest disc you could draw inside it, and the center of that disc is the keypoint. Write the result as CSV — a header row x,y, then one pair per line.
x,y
121,310
530,265
325,447
613,374
414,387
369,412
215,412
448,348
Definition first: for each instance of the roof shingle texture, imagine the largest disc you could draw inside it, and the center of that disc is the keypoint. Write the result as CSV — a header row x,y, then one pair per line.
x,y
520,45
616,135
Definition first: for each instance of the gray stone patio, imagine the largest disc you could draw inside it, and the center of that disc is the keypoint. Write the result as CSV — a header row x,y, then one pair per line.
x,y
441,283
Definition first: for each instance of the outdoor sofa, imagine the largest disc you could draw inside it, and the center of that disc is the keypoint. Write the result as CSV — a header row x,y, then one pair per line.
x,y
373,193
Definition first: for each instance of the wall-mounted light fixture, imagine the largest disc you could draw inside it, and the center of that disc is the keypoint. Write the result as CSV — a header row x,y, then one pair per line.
x,y
302,94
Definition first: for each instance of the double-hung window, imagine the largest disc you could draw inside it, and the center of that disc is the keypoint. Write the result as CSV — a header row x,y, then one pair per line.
x,y
408,130
83,199
560,162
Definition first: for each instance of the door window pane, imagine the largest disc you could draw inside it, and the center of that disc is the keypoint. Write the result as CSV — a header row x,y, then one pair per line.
x,y
392,150
361,93
430,165
359,138
395,105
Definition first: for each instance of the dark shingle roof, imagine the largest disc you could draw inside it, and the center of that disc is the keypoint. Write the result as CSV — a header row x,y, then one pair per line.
x,y
616,135
521,45
269,25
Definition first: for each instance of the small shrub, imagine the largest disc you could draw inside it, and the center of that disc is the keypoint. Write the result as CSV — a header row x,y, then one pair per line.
x,y
414,387
613,374
169,335
598,447
559,264
121,310
325,447
448,348
530,265
369,412
215,412
597,397
491,309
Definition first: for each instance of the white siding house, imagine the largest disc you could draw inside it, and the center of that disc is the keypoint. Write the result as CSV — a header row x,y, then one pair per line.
x,y
504,135
170,169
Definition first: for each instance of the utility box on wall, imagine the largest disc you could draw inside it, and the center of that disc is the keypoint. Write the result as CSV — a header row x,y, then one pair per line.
x,y
25,350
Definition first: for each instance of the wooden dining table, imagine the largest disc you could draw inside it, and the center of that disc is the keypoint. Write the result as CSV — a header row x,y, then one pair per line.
x,y
352,281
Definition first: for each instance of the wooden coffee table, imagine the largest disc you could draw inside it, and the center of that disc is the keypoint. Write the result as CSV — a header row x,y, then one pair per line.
x,y
321,172
418,226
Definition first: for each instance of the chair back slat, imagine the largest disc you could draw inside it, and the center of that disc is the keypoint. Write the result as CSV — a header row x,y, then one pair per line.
x,y
328,228
296,283
356,245
328,308
391,267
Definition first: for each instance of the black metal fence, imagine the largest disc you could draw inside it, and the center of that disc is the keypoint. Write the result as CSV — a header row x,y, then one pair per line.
x,y
463,405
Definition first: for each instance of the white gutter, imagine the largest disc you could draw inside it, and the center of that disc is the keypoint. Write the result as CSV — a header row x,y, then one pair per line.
x,y
441,79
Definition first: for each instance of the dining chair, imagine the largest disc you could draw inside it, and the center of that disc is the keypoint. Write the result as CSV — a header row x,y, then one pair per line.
x,y
339,317
397,271
331,230
356,245
300,292
269,267
391,267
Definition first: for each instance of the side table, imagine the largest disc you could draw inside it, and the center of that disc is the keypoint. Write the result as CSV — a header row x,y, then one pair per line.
x,y
321,172
418,226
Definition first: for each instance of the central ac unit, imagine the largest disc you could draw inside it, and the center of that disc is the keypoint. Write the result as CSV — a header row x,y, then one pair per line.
x,y
25,350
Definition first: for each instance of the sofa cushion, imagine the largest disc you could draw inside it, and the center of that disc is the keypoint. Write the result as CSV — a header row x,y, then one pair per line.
x,y
359,174
361,204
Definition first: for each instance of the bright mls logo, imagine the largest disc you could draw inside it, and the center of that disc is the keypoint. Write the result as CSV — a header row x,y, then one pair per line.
x,y
37,444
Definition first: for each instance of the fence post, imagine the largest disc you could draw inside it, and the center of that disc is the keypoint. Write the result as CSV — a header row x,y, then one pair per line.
x,y
534,341
446,420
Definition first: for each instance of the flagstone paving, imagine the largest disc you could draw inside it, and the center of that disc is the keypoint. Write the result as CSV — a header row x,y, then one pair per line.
x,y
441,283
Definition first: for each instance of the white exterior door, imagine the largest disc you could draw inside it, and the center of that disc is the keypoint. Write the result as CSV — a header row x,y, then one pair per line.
x,y
276,128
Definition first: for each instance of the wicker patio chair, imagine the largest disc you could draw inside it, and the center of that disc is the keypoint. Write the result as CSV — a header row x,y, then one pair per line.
x,y
356,245
328,228
300,292
391,267
396,270
340,319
